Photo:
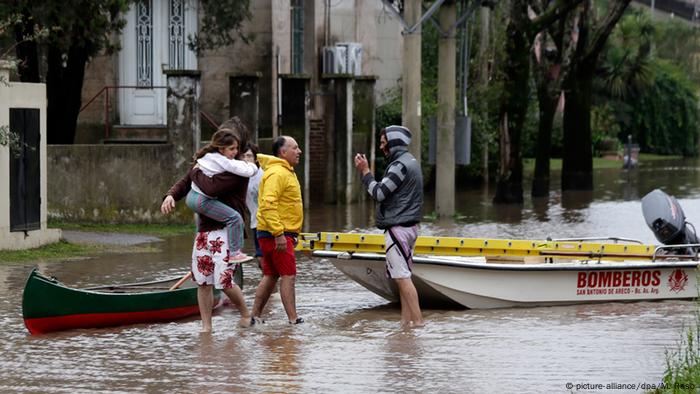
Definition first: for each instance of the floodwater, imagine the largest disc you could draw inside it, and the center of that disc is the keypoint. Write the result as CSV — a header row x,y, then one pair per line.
x,y
351,341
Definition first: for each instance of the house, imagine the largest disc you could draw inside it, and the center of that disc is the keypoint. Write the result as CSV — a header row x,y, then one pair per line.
x,y
295,46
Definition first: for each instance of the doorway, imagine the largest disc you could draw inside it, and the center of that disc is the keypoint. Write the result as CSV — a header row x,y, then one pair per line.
x,y
25,186
154,39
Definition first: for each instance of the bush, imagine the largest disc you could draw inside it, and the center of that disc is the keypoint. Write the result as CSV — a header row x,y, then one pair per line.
x,y
664,118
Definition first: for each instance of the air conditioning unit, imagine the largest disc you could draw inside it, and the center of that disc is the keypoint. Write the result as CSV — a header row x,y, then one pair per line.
x,y
335,60
354,56
343,58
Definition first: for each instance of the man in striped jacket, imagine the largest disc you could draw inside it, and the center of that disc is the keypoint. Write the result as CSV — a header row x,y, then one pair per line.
x,y
399,195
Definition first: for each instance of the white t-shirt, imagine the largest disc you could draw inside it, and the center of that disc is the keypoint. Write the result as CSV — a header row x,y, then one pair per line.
x,y
215,163
251,197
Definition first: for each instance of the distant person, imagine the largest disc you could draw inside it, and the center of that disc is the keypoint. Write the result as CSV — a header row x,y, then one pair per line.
x,y
399,195
217,157
251,199
280,215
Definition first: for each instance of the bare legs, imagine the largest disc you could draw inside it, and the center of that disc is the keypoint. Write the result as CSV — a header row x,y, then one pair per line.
x,y
287,294
236,296
205,299
410,308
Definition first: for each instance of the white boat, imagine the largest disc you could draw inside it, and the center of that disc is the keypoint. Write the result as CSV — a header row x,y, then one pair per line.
x,y
369,270
481,283
498,273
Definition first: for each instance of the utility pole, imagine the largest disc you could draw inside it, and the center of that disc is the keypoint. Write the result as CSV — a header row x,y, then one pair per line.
x,y
447,73
484,80
411,89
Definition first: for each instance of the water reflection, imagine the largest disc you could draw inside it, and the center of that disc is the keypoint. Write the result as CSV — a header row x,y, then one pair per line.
x,y
351,341
403,357
540,208
281,362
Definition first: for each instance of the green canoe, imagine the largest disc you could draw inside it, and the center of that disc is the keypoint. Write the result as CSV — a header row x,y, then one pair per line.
x,y
48,305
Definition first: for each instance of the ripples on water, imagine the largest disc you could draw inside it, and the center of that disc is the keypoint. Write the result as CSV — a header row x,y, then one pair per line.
x,y
351,341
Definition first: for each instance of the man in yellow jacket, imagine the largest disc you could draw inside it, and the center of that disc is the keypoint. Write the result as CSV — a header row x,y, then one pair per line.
x,y
280,215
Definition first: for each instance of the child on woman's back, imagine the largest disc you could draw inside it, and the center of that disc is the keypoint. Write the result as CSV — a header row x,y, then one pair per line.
x,y
217,157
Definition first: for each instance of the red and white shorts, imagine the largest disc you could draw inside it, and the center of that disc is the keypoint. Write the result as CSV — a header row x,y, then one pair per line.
x,y
210,260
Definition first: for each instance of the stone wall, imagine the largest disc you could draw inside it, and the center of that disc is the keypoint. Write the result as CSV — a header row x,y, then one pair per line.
x,y
112,183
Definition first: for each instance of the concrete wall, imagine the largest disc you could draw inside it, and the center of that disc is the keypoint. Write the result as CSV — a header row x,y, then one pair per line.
x,y
379,32
23,95
112,183
241,58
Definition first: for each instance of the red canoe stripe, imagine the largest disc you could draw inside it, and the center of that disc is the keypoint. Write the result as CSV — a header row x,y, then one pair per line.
x,y
43,325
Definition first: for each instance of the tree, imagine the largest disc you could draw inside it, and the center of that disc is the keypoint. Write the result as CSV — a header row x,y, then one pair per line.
x,y
651,95
79,30
520,34
7,23
577,166
552,48
221,25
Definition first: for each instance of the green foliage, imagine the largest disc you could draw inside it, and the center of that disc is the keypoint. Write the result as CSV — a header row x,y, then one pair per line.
x,y
61,250
626,67
386,114
221,24
664,118
644,93
12,140
604,129
679,42
682,373
530,127
86,24
7,136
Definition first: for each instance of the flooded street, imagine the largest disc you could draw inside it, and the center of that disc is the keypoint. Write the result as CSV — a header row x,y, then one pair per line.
x,y
351,341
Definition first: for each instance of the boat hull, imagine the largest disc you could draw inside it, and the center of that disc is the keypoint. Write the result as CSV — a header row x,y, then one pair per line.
x,y
48,305
487,285
370,272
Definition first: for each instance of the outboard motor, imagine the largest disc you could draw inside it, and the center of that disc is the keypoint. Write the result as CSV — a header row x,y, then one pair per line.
x,y
666,220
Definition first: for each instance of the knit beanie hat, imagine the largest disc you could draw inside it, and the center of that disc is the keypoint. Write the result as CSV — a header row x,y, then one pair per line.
x,y
398,138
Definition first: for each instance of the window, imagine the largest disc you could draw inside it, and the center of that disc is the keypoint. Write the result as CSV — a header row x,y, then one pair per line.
x,y
144,43
297,36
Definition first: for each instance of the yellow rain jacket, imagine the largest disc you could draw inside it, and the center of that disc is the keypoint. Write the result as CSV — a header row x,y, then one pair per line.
x,y
280,208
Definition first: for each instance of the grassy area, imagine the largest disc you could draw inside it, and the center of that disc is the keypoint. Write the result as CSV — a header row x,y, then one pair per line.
x,y
63,250
555,164
598,162
683,365
650,157
146,229
58,251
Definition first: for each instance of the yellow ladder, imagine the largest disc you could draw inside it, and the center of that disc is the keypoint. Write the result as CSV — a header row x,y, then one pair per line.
x,y
455,246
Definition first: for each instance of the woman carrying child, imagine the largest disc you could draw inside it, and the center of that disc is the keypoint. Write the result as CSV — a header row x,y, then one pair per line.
x,y
211,263
217,157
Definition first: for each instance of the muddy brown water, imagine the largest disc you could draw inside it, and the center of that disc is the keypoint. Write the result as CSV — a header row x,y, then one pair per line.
x,y
351,341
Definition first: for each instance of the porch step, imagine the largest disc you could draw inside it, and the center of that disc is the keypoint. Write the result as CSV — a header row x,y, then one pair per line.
x,y
142,134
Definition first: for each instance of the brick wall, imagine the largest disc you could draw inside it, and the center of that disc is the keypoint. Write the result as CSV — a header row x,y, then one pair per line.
x,y
317,156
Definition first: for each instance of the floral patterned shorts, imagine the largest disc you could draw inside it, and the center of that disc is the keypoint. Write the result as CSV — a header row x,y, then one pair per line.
x,y
210,256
